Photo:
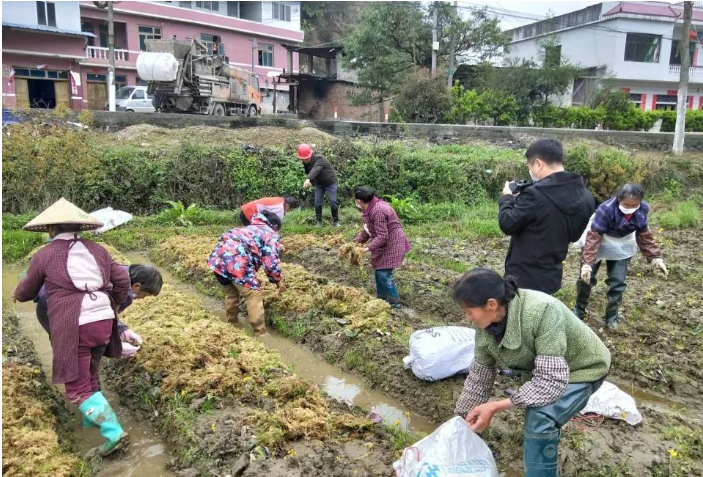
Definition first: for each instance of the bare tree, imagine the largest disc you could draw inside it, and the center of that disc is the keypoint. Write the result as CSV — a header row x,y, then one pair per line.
x,y
682,98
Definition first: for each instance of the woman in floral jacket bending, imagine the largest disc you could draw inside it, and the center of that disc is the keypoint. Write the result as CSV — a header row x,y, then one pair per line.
x,y
388,243
238,256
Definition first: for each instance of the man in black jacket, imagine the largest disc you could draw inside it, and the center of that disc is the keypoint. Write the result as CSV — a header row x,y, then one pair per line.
x,y
543,219
320,173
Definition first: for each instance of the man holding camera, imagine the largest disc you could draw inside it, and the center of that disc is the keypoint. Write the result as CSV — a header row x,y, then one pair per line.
x,y
543,217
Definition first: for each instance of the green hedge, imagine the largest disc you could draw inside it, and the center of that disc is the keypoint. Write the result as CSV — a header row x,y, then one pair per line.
x,y
616,112
42,164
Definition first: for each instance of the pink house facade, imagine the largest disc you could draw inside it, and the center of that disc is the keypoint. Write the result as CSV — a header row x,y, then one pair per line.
x,y
65,44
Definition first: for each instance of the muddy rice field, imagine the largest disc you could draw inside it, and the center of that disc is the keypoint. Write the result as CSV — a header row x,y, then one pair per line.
x,y
226,403
326,393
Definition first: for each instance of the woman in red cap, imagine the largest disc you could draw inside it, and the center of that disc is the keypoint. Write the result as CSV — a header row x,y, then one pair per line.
x,y
320,173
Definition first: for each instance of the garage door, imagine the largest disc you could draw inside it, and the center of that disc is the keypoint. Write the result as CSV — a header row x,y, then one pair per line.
x,y
21,93
97,96
62,90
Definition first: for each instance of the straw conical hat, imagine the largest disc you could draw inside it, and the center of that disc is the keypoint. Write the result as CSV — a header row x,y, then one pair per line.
x,y
62,212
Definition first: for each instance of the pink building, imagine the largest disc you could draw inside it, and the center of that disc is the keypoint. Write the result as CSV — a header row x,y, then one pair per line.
x,y
57,52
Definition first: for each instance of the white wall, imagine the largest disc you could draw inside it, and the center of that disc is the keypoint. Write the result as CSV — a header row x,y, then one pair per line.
x,y
293,24
603,44
68,16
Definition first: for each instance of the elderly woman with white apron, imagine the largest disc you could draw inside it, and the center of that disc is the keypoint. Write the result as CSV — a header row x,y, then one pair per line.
x,y
616,231
85,287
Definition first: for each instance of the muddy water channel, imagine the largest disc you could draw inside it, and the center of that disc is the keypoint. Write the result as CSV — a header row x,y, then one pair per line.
x,y
337,384
147,454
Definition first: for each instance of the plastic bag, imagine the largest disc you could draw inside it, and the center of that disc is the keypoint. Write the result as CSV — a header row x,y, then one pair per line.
x,y
453,449
110,218
437,353
157,66
610,401
611,248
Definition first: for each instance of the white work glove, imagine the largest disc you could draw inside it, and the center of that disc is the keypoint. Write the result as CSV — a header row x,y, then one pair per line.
x,y
659,267
129,350
131,337
586,273
307,183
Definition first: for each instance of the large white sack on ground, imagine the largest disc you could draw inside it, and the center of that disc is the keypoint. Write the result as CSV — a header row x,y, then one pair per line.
x,y
157,66
437,353
610,401
110,218
453,449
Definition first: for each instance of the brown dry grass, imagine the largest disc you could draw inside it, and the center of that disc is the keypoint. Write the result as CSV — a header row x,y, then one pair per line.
x,y
30,444
188,257
352,253
147,135
203,355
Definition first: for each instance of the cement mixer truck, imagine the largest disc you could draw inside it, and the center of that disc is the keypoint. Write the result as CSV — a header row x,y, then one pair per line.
x,y
184,78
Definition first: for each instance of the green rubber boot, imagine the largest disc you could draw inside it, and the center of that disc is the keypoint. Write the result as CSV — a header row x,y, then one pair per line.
x,y
97,412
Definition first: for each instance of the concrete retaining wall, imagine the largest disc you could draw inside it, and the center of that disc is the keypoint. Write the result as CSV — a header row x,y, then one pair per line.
x,y
439,133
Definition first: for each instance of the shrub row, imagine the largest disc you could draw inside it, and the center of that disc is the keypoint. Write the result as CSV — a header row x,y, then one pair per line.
x,y
614,113
43,163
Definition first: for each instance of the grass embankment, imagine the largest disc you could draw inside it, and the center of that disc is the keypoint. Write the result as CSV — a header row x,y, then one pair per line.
x,y
36,439
220,394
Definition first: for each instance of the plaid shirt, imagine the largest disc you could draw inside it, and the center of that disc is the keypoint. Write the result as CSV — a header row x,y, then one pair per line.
x,y
388,244
610,220
549,380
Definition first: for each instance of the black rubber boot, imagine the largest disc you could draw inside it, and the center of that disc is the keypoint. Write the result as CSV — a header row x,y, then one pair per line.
x,y
335,216
318,215
583,294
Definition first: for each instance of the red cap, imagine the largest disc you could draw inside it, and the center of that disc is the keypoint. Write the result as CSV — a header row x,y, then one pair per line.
x,y
304,151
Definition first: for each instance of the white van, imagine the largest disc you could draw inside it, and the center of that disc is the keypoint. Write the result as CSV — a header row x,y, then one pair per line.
x,y
133,99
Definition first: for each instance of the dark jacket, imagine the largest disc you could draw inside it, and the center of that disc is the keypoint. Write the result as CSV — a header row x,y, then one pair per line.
x,y
542,221
320,171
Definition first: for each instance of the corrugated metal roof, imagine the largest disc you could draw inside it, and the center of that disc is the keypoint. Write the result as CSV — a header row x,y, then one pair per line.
x,y
47,29
652,9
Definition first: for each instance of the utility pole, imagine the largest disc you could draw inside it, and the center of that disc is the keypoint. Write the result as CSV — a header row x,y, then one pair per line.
x,y
435,41
682,97
452,52
253,45
111,53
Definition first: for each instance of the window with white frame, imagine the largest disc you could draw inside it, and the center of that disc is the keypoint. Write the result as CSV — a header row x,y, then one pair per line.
x,y
637,99
666,101
213,43
281,12
642,48
46,13
212,6
148,33
265,55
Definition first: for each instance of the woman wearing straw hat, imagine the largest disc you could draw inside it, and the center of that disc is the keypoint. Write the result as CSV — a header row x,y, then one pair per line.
x,y
85,286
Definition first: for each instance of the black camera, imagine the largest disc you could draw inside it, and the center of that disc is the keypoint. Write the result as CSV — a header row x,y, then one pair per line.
x,y
516,187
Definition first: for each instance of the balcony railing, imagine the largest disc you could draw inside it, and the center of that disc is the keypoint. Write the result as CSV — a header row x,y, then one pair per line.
x,y
692,71
100,53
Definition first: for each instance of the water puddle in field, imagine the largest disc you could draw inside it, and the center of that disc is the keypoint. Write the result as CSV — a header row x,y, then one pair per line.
x,y
147,453
337,384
